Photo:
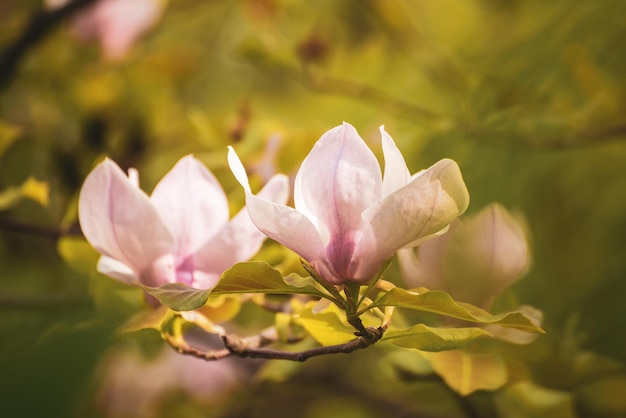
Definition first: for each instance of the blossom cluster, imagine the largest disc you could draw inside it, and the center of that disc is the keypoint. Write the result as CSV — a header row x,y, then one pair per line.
x,y
348,217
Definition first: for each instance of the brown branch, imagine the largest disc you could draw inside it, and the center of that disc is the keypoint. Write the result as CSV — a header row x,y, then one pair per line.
x,y
186,349
240,348
41,230
252,347
39,26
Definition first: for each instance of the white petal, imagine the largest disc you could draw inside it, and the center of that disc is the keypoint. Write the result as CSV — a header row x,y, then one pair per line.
x,y
396,174
279,222
120,221
192,203
337,181
240,239
423,207
116,269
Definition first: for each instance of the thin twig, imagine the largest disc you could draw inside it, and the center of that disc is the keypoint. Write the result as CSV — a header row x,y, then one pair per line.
x,y
239,347
252,347
185,349
349,88
233,344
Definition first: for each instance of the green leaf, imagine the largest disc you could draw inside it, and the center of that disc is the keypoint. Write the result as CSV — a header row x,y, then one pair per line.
x,y
9,133
525,399
32,189
466,372
179,296
78,254
426,338
259,277
146,319
326,327
441,303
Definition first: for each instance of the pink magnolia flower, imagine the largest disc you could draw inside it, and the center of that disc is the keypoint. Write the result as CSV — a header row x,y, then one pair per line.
x,y
132,385
181,233
474,261
348,219
116,24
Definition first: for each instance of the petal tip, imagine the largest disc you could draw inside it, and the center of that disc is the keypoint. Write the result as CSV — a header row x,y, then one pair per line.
x,y
237,168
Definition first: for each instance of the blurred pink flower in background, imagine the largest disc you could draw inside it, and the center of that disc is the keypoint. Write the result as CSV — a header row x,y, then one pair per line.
x,y
133,385
115,24
181,233
474,261
348,219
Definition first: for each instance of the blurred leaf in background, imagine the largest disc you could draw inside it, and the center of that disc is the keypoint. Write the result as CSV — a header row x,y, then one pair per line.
x,y
527,96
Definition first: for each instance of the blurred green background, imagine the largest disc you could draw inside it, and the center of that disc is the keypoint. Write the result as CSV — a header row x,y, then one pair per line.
x,y
528,96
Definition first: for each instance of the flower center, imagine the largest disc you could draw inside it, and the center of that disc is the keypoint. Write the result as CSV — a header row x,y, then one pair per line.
x,y
184,272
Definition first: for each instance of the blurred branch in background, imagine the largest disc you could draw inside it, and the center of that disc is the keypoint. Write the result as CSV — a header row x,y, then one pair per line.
x,y
38,230
40,24
46,303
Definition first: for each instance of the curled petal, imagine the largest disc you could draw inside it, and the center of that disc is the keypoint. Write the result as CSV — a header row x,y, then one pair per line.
x,y
192,203
397,174
337,181
119,220
279,222
426,205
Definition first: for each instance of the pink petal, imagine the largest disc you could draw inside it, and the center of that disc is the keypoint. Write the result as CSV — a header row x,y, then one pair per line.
x,y
192,203
116,269
239,239
397,174
337,181
281,223
501,243
119,220
429,203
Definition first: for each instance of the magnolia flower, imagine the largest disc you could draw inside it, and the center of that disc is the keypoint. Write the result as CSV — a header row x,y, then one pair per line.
x,y
132,385
474,261
116,24
181,233
348,219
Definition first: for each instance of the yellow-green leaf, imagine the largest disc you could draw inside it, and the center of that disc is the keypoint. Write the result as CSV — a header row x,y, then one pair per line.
x,y
428,338
326,327
467,372
441,303
8,134
31,189
259,277
77,252
179,296
146,319
36,190
527,400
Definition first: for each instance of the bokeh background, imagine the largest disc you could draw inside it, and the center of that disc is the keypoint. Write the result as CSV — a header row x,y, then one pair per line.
x,y
528,96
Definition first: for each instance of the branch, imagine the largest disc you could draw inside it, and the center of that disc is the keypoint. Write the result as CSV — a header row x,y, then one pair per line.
x,y
183,348
40,24
587,138
252,347
240,348
44,231
380,98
